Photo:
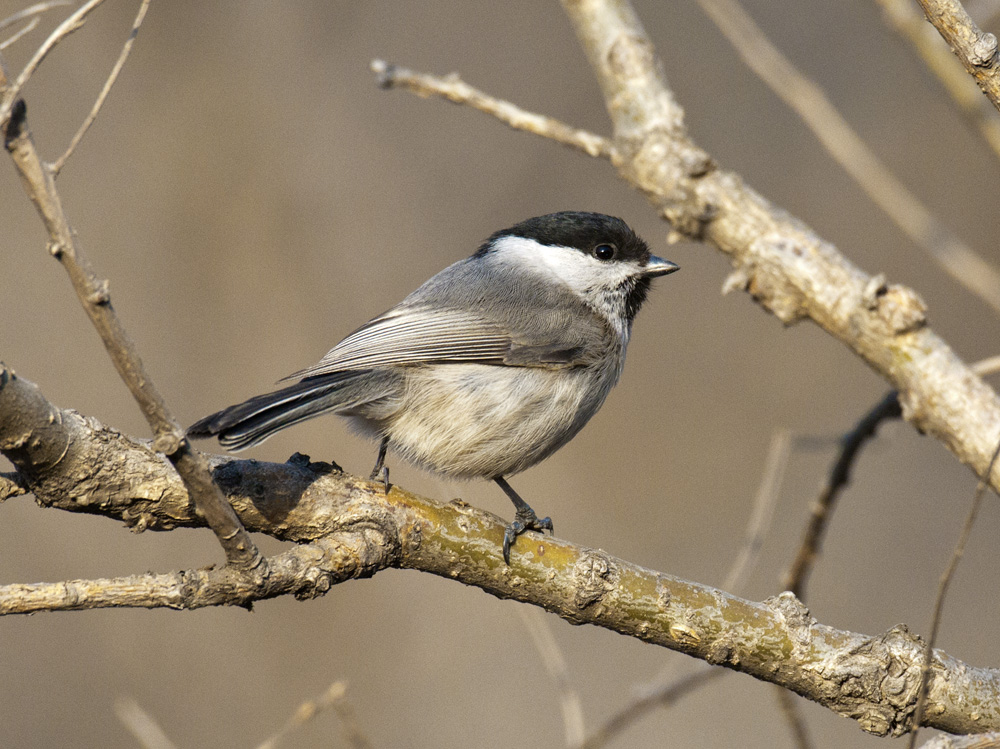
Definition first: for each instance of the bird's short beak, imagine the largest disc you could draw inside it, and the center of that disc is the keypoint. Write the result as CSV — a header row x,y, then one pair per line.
x,y
657,266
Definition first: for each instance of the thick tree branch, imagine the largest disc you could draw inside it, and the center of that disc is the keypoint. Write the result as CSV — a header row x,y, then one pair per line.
x,y
350,528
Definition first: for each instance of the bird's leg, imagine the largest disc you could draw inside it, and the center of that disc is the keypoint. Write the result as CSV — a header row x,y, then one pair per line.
x,y
525,518
381,470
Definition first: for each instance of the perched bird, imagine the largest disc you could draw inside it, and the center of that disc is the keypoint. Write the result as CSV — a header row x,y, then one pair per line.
x,y
489,367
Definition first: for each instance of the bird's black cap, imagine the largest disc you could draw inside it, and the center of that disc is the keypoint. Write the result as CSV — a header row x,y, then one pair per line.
x,y
577,229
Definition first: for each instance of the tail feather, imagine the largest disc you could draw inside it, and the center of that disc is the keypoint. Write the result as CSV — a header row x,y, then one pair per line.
x,y
253,421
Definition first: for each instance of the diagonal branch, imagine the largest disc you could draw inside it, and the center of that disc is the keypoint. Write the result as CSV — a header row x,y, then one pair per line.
x,y
38,181
975,49
457,91
59,163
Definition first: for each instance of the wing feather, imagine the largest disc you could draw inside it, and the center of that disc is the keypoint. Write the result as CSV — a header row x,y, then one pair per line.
x,y
415,335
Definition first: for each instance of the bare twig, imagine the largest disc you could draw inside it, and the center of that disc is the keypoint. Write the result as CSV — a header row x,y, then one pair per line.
x,y
39,184
975,49
457,91
943,584
839,477
763,510
31,10
536,622
27,29
11,91
840,140
988,366
637,709
334,698
793,716
912,25
142,725
57,165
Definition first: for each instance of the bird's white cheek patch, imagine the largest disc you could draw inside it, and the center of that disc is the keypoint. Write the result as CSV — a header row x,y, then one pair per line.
x,y
569,266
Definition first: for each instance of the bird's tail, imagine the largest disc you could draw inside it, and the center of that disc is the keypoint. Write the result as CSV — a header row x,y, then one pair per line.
x,y
251,422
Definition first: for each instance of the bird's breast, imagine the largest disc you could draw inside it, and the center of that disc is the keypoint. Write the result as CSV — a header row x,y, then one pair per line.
x,y
476,420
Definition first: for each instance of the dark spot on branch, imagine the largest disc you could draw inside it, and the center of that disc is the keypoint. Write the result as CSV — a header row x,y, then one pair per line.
x,y
15,125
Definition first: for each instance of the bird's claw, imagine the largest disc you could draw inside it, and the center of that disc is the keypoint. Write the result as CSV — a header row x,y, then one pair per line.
x,y
524,520
381,474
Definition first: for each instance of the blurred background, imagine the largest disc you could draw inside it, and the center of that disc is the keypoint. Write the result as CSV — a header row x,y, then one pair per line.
x,y
253,197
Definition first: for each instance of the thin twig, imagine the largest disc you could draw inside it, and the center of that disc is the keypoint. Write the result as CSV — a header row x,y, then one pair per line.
x,y
843,143
537,623
28,28
987,366
142,725
943,584
789,705
632,712
763,510
975,49
57,165
11,92
93,292
455,90
334,698
838,478
31,10
912,26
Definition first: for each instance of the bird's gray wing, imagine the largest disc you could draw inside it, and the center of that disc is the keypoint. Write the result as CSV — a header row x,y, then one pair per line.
x,y
418,334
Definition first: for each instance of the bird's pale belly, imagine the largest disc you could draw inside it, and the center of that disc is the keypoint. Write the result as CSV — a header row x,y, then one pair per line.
x,y
473,420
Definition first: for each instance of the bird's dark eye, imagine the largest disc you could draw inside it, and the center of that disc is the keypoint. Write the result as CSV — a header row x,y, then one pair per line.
x,y
605,252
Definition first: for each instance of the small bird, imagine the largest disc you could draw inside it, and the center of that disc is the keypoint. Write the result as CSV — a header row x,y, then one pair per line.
x,y
488,368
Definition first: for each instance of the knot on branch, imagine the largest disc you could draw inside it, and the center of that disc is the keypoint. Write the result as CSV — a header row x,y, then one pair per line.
x,y
798,622
594,576
898,308
668,168
631,56
984,51
878,681
764,270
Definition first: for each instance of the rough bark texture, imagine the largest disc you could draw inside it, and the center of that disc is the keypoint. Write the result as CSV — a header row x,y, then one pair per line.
x,y
347,528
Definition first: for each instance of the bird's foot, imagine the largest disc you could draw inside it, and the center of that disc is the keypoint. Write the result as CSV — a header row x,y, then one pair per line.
x,y
524,520
381,473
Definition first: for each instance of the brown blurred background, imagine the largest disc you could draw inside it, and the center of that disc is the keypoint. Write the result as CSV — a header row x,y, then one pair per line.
x,y
253,197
